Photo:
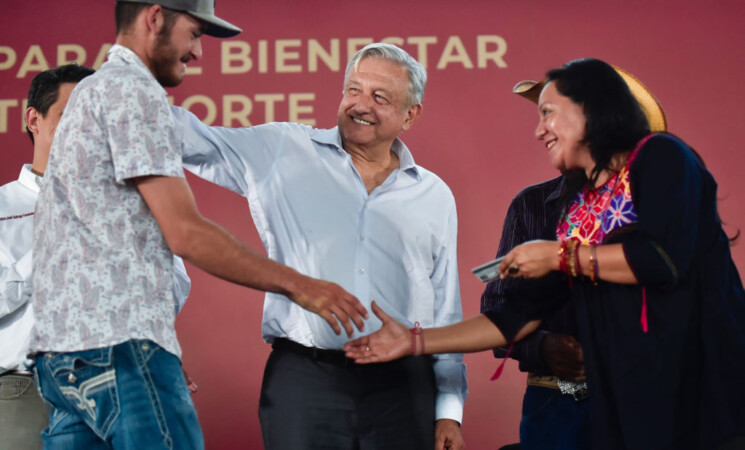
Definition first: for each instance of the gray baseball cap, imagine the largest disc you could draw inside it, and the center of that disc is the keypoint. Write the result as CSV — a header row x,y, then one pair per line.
x,y
203,10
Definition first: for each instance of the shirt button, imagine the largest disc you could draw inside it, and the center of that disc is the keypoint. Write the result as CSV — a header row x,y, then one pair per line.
x,y
362,271
362,238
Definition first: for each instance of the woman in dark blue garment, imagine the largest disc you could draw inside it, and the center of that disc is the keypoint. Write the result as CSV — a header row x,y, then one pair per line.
x,y
641,250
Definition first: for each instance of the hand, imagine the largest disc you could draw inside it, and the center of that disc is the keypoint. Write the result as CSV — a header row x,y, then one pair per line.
x,y
532,259
331,302
193,387
448,435
391,341
563,355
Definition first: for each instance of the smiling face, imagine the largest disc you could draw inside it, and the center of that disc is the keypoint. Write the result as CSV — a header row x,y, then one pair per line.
x,y
176,47
561,128
374,109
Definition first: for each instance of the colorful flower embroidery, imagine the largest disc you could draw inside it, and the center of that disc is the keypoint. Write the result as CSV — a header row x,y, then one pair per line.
x,y
595,213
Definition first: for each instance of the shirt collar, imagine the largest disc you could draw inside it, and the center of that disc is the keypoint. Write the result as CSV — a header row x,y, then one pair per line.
x,y
29,179
120,54
332,137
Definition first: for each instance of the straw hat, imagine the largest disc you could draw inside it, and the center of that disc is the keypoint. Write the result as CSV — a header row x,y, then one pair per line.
x,y
648,102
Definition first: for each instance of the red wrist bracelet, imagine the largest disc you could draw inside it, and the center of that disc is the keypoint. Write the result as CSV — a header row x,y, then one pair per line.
x,y
417,339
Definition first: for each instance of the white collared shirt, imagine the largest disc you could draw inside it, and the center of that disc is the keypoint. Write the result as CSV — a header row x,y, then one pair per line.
x,y
17,202
395,245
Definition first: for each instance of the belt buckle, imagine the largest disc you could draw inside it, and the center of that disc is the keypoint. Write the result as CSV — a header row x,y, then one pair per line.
x,y
580,394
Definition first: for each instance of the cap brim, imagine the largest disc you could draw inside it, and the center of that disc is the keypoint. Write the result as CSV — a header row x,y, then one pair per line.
x,y
216,26
649,104
529,89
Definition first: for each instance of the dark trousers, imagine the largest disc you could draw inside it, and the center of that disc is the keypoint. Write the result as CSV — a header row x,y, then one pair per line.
x,y
552,421
319,400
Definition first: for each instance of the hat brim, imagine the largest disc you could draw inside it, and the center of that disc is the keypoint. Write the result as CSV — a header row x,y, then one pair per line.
x,y
649,104
217,27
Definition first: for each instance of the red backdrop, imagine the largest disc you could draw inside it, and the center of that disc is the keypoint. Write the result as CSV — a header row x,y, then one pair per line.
x,y
478,136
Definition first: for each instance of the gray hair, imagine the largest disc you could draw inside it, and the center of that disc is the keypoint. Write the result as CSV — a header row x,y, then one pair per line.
x,y
389,52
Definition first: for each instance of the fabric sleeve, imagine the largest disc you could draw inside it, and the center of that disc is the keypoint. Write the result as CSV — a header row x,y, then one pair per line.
x,y
15,282
234,158
666,182
181,283
450,372
514,233
529,299
140,129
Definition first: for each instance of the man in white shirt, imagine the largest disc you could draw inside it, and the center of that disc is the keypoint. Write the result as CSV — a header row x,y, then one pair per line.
x,y
23,413
112,211
349,205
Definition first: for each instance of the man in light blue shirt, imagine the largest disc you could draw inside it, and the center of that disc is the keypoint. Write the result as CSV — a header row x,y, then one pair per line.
x,y
349,205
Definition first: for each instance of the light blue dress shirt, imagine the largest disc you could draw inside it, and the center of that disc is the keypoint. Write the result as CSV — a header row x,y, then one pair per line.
x,y
395,245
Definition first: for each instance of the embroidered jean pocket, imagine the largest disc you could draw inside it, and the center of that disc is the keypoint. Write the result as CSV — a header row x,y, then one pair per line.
x,y
87,381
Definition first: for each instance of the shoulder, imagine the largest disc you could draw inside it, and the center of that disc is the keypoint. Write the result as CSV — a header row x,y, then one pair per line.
x,y
15,197
435,185
289,129
666,150
542,190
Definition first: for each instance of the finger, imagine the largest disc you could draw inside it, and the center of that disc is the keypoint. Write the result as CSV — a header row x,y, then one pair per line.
x,y
343,318
379,313
331,320
359,307
354,315
504,267
359,342
367,360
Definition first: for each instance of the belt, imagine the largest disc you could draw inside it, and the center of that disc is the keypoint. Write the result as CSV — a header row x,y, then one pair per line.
x,y
316,354
17,373
576,390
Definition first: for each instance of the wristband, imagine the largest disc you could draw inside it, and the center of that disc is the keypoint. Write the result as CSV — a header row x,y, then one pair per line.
x,y
417,339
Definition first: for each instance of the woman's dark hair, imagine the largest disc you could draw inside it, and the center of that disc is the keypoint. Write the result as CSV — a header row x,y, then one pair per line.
x,y
615,121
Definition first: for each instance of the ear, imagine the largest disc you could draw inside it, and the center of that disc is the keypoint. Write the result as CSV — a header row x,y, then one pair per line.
x,y
153,17
32,120
412,115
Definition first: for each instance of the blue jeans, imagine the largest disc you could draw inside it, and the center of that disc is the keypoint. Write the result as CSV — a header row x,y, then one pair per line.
x,y
129,396
553,421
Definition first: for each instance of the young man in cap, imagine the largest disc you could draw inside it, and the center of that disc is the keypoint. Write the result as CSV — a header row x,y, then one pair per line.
x,y
23,413
113,207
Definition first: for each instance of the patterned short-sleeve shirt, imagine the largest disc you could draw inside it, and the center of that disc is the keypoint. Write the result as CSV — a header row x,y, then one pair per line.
x,y
103,273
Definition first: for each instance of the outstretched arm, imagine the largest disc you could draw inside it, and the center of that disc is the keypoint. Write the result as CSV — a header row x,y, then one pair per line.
x,y
395,341
211,248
